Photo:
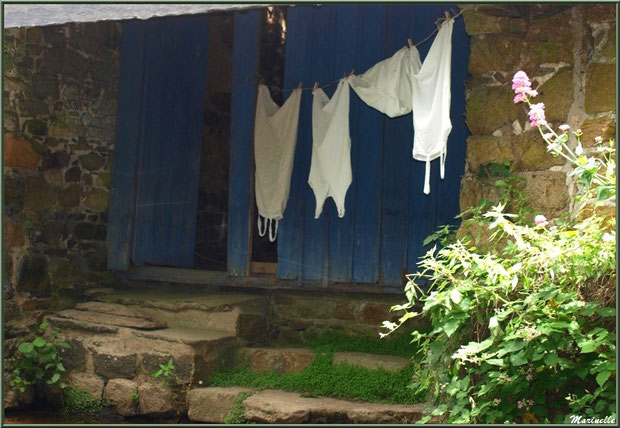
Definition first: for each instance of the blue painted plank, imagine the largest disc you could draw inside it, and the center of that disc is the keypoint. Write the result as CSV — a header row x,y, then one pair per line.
x,y
316,231
243,100
368,172
347,55
297,60
422,208
173,107
126,147
398,140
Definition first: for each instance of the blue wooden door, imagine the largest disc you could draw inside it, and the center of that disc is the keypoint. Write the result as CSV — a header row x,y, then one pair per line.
x,y
170,137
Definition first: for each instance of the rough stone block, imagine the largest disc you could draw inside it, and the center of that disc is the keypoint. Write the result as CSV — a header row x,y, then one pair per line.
x,y
473,190
477,23
71,196
183,364
65,127
87,382
74,358
374,314
601,13
211,405
494,53
119,393
483,149
18,153
156,400
97,200
33,276
557,95
604,127
115,366
600,92
39,195
279,360
13,234
92,161
252,327
56,160
371,361
530,152
546,191
490,108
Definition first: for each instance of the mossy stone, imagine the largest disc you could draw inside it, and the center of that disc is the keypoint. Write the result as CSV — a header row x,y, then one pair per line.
x,y
38,195
494,53
36,127
600,93
71,196
98,200
66,127
480,23
92,161
490,108
557,95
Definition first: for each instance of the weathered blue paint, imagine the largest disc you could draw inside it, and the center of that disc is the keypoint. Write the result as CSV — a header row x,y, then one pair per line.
x,y
347,56
366,178
124,175
397,145
243,100
171,138
387,214
316,231
290,234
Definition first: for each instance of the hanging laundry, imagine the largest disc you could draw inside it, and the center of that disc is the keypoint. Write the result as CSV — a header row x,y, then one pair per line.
x,y
330,168
402,83
430,99
275,137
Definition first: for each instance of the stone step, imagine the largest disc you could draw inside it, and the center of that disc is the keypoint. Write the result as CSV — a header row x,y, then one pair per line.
x,y
241,313
280,407
109,319
288,360
188,336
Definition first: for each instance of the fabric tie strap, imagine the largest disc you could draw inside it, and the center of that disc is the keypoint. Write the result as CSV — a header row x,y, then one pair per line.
x,y
268,223
427,178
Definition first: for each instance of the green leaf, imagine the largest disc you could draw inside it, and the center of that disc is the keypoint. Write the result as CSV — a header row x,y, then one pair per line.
x,y
496,361
451,326
54,378
64,345
587,346
39,342
43,326
456,296
606,312
602,377
60,367
551,359
518,359
25,347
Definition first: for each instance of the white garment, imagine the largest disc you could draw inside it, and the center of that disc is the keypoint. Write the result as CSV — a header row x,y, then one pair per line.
x,y
275,137
330,169
401,84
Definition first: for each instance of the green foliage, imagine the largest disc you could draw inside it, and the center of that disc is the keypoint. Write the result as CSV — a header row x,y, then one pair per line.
x,y
323,378
331,341
78,403
38,362
135,397
525,333
168,370
236,413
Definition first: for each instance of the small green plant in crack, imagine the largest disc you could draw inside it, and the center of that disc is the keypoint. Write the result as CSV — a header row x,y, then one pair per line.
x,y
172,380
236,413
135,397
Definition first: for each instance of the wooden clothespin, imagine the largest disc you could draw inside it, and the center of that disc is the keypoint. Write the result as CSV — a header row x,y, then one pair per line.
x,y
351,72
447,15
410,42
300,85
316,85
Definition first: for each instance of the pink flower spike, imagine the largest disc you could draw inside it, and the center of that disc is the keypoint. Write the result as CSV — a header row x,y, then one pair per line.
x,y
520,80
532,92
519,97
564,127
541,220
598,139
537,115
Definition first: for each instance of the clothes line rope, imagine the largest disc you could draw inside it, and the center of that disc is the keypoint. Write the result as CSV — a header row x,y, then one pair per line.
x,y
438,23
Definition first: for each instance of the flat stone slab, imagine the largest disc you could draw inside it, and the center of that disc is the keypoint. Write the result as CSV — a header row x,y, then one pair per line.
x,y
281,407
118,320
175,302
189,336
212,404
110,309
280,360
390,363
81,325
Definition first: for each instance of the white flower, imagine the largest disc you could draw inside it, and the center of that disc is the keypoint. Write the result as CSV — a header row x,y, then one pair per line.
x,y
579,150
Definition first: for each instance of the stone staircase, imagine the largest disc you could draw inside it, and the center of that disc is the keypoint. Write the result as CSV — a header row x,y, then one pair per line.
x,y
119,338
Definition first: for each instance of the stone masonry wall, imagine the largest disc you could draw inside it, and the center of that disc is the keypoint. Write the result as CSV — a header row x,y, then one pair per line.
x,y
60,97
569,54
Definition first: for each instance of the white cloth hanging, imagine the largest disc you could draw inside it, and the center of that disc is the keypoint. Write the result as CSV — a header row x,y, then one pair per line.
x,y
330,169
275,137
430,100
402,83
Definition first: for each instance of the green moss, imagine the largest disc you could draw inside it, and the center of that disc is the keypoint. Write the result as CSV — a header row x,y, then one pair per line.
x,y
79,404
330,341
236,413
322,378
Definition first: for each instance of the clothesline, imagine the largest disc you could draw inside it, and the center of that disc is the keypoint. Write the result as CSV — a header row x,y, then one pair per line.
x,y
438,21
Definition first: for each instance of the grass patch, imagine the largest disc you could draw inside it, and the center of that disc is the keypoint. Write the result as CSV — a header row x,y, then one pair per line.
x,y
322,378
330,341
236,413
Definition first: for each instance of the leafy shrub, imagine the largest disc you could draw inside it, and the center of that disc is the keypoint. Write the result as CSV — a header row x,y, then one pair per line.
x,y
525,333
38,362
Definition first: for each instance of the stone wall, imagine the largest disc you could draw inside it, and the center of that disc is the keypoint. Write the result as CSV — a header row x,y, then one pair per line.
x,y
60,96
569,54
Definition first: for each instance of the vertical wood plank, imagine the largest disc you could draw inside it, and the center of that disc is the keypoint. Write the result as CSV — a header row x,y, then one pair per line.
x,y
243,102
173,107
126,147
297,69
347,54
422,208
316,231
398,140
368,173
